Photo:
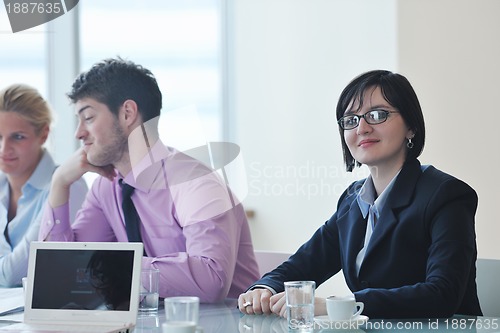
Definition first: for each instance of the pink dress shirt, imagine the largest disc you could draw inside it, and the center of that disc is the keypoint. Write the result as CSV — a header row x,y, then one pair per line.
x,y
193,229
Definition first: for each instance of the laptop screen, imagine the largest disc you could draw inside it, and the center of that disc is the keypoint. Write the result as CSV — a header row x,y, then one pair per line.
x,y
82,279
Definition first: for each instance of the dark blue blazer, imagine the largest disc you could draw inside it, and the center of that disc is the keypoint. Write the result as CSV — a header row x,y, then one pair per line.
x,y
420,262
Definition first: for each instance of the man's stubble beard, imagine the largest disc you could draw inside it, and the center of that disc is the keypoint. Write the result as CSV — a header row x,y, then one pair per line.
x,y
113,151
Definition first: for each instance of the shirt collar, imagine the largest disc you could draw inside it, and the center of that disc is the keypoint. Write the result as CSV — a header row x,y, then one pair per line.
x,y
41,177
146,171
366,197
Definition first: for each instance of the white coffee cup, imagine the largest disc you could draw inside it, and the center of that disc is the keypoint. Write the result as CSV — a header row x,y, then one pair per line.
x,y
181,327
343,308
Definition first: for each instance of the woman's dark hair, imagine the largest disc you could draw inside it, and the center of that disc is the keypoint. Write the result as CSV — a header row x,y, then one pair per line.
x,y
399,93
113,81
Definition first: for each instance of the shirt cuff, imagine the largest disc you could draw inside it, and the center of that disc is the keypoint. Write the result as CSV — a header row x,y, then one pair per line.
x,y
262,286
55,223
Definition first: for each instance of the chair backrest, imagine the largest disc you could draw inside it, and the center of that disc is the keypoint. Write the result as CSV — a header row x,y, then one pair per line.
x,y
269,260
488,284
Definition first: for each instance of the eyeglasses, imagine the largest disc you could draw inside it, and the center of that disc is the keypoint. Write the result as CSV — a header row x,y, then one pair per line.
x,y
372,117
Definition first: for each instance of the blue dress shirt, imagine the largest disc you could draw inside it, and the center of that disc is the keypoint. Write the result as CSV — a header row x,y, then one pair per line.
x,y
371,205
16,235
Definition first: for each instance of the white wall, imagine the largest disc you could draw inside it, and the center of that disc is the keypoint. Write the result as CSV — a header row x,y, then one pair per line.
x,y
450,50
293,57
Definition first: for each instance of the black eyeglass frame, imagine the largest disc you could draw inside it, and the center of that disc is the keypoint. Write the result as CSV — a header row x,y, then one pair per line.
x,y
368,120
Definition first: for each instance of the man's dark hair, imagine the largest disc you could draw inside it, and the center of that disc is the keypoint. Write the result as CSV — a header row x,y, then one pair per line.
x,y
113,81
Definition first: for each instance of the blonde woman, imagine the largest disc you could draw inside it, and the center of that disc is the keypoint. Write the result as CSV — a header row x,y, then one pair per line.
x,y
26,169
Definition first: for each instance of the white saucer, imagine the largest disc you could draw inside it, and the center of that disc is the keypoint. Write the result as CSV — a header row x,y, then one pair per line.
x,y
325,322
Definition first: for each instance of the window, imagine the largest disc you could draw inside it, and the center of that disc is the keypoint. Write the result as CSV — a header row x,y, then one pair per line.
x,y
23,56
179,41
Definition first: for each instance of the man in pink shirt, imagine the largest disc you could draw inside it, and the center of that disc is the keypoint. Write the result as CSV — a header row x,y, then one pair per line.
x,y
193,228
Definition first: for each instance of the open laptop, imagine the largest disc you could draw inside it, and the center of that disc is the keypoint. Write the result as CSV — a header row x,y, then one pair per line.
x,y
81,287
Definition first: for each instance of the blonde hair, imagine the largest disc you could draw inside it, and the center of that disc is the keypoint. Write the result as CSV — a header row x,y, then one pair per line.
x,y
28,103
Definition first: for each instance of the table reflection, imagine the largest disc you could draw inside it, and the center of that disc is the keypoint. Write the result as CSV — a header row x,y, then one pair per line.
x,y
226,318
214,318
148,324
262,323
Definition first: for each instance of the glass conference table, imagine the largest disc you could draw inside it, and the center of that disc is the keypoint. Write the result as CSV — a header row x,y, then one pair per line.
x,y
226,318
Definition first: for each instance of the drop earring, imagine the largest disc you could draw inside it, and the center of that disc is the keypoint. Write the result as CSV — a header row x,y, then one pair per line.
x,y
409,144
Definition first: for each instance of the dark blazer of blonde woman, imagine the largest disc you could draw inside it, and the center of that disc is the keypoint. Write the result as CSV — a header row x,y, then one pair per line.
x,y
420,262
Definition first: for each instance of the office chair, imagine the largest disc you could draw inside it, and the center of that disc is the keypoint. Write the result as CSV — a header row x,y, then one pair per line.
x,y
488,286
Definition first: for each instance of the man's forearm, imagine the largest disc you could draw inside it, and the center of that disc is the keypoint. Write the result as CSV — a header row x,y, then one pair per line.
x,y
59,192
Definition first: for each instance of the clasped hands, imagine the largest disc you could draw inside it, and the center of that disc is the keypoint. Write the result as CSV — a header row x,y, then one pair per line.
x,y
262,301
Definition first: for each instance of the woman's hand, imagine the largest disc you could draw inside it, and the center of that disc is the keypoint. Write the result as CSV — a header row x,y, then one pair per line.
x,y
278,305
319,306
261,301
256,301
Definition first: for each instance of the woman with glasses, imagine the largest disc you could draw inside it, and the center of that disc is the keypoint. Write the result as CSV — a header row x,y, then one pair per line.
x,y
26,169
404,237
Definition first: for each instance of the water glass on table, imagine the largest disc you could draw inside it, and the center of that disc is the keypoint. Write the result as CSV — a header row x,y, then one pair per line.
x,y
300,305
181,315
148,297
